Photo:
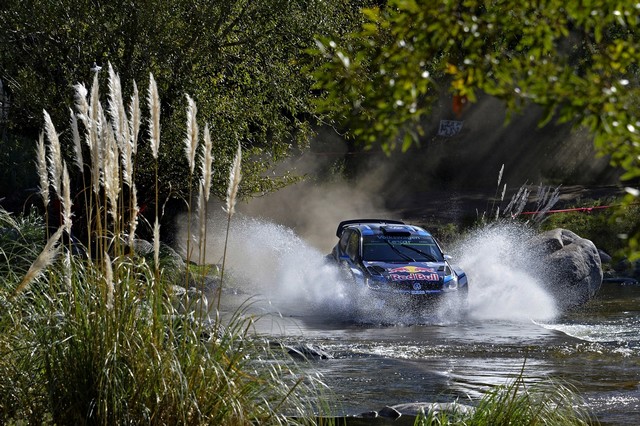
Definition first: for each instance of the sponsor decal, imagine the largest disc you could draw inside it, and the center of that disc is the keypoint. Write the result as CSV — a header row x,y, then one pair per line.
x,y
414,277
404,239
410,270
449,128
413,273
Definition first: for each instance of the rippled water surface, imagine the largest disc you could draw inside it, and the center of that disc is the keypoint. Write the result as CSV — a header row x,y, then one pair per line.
x,y
596,349
385,358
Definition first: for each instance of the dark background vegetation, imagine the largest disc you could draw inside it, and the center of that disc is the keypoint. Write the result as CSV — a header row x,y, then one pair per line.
x,y
249,67
241,61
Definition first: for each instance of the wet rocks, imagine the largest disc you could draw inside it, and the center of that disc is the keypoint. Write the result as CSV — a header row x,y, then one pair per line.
x,y
188,299
309,351
435,408
406,414
169,258
304,351
389,413
571,265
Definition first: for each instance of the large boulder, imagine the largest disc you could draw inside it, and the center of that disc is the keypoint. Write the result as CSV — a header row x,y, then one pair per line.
x,y
168,256
571,266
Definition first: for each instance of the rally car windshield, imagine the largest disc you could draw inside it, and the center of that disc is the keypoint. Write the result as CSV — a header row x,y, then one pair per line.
x,y
414,248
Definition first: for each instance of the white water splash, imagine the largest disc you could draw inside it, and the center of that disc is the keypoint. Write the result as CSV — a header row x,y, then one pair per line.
x,y
299,280
504,279
270,260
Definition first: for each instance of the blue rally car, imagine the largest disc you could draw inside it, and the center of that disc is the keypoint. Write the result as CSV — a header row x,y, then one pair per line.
x,y
394,259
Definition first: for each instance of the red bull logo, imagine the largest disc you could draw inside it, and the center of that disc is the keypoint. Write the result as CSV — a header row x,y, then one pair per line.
x,y
413,273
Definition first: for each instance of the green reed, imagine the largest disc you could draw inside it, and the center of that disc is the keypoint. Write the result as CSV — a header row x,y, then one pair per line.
x,y
519,403
91,333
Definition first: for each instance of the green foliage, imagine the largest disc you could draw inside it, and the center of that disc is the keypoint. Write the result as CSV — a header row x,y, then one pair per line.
x,y
632,234
21,239
70,356
102,335
531,404
606,227
578,61
240,60
17,170
519,403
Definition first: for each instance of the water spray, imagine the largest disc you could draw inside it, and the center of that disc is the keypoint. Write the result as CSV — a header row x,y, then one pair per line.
x,y
272,262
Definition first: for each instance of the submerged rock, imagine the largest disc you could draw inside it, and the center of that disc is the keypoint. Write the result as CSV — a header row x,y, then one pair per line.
x,y
368,415
302,351
390,413
408,414
435,408
571,265
621,280
306,351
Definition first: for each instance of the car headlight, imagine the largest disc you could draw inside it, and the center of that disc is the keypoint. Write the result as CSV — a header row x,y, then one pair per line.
x,y
374,283
451,283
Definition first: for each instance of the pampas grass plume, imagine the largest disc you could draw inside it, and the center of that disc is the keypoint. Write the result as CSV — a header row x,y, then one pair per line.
x,y
94,105
55,155
66,200
44,259
67,271
235,176
134,118
191,141
206,164
41,165
111,173
120,125
81,102
154,120
77,144
94,134
116,108
133,220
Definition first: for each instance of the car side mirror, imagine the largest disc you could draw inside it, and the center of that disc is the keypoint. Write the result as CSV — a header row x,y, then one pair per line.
x,y
447,257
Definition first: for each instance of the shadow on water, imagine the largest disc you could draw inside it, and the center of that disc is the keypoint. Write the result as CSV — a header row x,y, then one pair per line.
x,y
383,357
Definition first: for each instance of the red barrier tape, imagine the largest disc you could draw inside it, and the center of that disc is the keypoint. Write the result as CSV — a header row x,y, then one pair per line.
x,y
577,209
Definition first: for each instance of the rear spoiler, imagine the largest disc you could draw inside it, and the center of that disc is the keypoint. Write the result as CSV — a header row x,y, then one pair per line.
x,y
346,223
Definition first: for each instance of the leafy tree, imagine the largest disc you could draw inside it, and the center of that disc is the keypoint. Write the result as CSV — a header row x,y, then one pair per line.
x,y
578,60
241,61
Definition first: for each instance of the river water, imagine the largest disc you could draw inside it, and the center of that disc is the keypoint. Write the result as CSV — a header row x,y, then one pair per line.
x,y
384,358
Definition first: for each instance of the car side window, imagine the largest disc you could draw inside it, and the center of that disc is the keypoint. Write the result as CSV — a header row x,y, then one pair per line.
x,y
344,239
353,246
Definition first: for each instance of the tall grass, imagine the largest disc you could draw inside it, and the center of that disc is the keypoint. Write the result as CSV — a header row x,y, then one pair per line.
x,y
21,240
96,338
541,203
517,403
92,335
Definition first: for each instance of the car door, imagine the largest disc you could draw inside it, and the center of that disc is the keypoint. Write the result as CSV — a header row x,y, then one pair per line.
x,y
351,256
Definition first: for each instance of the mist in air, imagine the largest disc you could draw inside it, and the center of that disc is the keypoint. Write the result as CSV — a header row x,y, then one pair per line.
x,y
278,243
272,263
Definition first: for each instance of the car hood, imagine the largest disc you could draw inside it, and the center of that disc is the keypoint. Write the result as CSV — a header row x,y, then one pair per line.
x,y
418,271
